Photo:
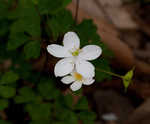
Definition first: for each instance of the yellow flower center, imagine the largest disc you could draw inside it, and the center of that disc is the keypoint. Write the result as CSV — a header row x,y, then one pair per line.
x,y
76,53
78,76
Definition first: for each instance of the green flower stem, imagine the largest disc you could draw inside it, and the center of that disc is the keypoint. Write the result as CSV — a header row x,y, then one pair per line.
x,y
110,73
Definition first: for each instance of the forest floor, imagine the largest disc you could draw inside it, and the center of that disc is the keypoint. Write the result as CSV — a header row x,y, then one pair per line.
x,y
125,28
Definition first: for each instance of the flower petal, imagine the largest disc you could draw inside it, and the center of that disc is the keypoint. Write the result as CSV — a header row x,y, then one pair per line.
x,y
85,68
63,67
75,86
67,79
58,51
90,52
89,81
71,41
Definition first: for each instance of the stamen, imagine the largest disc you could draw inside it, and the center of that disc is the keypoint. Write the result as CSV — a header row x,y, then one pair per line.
x,y
75,53
78,76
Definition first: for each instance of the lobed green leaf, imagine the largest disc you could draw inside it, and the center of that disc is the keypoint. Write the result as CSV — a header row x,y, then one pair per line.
x,y
32,50
7,91
9,77
39,111
3,104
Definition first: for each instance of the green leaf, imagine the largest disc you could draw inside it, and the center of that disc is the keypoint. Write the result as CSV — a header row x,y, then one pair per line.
x,y
41,122
26,95
4,27
66,2
71,118
4,122
47,89
68,101
30,25
60,23
3,104
87,32
24,9
64,101
35,2
4,6
68,116
49,6
16,40
9,77
127,79
39,111
23,69
87,117
26,25
32,50
104,65
7,92
82,104
59,122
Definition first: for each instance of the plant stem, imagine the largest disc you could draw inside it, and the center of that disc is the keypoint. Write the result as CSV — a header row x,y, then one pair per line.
x,y
110,73
77,8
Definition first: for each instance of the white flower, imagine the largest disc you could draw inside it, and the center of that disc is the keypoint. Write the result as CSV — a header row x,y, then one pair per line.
x,y
77,80
73,56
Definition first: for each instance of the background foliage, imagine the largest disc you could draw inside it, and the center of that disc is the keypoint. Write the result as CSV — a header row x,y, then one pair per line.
x,y
26,28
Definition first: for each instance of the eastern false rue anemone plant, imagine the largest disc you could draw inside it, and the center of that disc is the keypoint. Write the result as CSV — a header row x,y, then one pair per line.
x,y
74,66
